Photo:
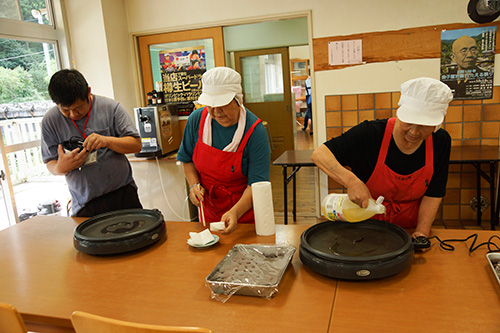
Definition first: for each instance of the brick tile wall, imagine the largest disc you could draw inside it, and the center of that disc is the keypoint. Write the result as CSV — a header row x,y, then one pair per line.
x,y
470,122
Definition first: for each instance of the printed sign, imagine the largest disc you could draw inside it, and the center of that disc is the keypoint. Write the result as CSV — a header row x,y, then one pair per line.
x,y
468,61
181,71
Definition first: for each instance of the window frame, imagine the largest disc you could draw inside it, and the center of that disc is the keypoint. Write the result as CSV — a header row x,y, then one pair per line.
x,y
56,34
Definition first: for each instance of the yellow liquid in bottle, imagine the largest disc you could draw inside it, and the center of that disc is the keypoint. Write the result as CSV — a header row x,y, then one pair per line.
x,y
338,207
354,213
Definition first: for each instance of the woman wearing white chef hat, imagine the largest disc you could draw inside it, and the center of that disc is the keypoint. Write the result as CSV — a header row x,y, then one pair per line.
x,y
224,150
405,159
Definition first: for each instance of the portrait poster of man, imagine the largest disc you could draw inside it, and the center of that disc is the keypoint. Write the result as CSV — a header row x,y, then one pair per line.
x,y
181,71
468,61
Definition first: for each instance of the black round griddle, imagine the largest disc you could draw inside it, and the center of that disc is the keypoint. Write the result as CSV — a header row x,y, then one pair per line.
x,y
119,231
356,251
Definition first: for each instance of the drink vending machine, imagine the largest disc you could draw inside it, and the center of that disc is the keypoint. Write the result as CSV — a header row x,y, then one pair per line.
x,y
158,126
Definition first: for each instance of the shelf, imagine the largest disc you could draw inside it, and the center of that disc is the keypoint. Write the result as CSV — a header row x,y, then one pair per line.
x,y
299,73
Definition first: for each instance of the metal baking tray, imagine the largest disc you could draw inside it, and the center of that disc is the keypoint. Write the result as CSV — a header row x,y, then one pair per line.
x,y
494,260
251,270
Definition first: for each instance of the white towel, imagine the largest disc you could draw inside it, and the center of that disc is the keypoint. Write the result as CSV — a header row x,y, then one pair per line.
x,y
238,135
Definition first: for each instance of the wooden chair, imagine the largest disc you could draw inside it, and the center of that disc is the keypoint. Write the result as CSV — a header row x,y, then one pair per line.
x,y
68,208
84,322
268,130
10,320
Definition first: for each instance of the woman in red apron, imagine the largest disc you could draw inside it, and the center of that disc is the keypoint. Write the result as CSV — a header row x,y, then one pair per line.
x,y
402,193
221,176
423,105
217,183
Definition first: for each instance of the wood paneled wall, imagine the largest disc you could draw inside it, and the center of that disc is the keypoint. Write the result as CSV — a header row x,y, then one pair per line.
x,y
405,44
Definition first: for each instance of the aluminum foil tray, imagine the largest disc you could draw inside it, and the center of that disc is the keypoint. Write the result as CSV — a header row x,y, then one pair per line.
x,y
250,269
494,260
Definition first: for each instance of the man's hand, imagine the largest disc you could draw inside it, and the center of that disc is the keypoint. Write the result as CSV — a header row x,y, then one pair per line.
x,y
67,162
95,141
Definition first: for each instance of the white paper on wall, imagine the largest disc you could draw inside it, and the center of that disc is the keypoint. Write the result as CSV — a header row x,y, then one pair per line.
x,y
345,52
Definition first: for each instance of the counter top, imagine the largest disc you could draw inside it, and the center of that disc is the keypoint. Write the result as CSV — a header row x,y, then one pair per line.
x,y
47,279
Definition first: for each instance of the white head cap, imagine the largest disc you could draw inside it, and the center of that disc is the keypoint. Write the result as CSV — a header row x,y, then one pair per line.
x,y
219,86
424,101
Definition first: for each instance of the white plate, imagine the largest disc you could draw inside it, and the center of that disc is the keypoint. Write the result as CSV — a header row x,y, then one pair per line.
x,y
216,239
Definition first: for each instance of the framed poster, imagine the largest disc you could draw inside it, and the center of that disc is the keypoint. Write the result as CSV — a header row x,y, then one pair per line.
x,y
468,62
181,71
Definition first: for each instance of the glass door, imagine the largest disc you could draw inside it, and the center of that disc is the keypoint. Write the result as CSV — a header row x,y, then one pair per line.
x,y
267,93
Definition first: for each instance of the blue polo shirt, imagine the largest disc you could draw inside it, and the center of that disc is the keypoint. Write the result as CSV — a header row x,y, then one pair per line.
x,y
256,160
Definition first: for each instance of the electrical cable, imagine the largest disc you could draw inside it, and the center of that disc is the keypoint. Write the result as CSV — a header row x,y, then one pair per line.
x,y
492,246
184,209
165,194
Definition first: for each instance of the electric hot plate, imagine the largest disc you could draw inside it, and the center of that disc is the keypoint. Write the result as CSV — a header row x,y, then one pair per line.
x,y
356,251
119,231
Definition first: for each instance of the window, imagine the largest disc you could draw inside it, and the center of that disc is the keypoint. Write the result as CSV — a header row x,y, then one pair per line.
x,y
26,10
31,50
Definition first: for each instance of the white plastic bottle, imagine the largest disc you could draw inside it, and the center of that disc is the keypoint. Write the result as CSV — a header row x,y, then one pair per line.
x,y
338,207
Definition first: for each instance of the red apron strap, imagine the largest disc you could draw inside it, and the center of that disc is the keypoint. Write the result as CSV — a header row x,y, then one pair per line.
x,y
204,114
245,139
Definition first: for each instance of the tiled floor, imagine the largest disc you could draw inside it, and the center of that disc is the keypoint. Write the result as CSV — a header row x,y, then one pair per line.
x,y
30,194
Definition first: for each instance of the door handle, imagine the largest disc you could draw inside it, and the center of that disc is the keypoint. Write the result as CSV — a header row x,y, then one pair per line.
x,y
2,175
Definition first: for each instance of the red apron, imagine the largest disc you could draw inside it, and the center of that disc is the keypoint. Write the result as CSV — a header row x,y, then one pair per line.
x,y
402,193
221,176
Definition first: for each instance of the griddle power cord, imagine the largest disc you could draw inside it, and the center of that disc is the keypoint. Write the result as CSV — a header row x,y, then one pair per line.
x,y
492,246
183,218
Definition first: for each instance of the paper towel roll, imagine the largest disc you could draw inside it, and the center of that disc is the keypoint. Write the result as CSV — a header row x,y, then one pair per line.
x,y
262,196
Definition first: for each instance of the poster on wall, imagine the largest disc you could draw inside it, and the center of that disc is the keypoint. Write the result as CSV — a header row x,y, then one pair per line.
x,y
181,71
345,52
468,62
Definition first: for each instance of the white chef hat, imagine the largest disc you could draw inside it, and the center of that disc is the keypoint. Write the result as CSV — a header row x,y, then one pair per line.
x,y
219,86
424,101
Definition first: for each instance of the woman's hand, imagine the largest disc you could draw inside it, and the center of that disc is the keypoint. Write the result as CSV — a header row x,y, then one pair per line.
x,y
359,194
230,220
196,194
418,233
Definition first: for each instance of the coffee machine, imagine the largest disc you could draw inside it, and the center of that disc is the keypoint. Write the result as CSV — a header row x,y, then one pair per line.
x,y
158,126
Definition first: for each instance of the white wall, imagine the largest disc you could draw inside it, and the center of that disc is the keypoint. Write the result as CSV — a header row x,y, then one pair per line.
x,y
102,53
101,48
276,33
91,35
88,42
299,52
119,50
329,18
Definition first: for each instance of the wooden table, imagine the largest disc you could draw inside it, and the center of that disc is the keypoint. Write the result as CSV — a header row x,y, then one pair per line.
x,y
477,155
294,159
441,292
46,279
